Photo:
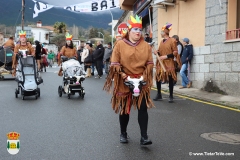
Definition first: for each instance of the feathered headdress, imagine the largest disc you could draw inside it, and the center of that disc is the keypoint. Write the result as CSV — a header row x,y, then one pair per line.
x,y
22,34
68,36
167,26
134,22
123,33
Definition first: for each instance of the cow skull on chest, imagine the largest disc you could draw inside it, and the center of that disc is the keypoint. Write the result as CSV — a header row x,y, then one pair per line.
x,y
135,85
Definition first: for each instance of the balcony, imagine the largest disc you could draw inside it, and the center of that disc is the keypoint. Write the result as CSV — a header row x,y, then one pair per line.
x,y
233,35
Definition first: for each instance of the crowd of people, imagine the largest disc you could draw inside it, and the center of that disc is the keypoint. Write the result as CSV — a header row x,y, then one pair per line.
x,y
130,58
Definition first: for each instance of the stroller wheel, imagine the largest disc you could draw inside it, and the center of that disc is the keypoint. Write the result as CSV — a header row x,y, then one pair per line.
x,y
68,96
38,92
60,91
16,93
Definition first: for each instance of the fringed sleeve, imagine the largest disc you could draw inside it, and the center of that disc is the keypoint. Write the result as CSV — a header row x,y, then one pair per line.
x,y
148,73
119,99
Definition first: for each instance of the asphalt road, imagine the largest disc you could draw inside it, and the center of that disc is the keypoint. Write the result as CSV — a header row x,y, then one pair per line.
x,y
54,127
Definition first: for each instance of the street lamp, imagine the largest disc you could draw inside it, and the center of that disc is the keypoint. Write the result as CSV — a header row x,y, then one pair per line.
x,y
102,35
112,25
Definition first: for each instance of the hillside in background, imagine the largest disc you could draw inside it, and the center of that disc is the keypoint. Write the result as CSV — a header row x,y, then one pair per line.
x,y
11,15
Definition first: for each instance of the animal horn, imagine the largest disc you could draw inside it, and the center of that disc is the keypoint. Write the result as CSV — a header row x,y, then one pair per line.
x,y
130,79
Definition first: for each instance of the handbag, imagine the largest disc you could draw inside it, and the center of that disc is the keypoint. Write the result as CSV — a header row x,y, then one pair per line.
x,y
88,59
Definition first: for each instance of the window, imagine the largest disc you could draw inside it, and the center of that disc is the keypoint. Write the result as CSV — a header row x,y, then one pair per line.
x,y
233,26
47,36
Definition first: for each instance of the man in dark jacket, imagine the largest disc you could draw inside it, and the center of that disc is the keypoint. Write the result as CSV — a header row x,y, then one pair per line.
x,y
98,59
186,57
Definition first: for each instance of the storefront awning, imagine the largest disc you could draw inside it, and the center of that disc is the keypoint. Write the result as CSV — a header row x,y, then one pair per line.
x,y
144,13
127,4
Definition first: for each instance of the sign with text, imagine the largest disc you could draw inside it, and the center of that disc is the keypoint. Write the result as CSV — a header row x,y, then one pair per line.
x,y
121,27
89,6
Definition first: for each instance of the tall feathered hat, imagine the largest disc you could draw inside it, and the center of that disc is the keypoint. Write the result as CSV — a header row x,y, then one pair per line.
x,y
134,22
68,36
167,27
22,34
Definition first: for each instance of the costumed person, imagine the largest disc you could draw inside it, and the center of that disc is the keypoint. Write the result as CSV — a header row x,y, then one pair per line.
x,y
131,59
68,50
23,45
9,44
166,52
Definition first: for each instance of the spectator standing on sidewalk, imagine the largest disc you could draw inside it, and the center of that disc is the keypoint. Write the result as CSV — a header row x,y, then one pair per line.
x,y
98,59
187,56
166,51
107,55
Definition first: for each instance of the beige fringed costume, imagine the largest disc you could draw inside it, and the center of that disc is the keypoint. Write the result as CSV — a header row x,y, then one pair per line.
x,y
165,48
134,60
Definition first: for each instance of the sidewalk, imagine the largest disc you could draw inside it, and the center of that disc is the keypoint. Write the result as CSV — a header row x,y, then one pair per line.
x,y
216,98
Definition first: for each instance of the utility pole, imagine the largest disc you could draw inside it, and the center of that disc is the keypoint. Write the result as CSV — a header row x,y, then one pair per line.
x,y
23,8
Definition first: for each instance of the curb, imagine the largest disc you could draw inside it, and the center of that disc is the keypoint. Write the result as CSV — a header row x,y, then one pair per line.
x,y
224,104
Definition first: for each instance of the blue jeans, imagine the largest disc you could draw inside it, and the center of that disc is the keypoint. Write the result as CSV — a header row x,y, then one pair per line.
x,y
185,80
93,67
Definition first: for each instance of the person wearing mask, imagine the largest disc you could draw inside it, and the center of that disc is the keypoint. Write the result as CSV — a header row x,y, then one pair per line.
x,y
186,58
131,58
68,50
167,51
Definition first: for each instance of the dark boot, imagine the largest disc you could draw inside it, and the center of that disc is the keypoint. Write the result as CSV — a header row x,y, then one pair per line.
x,y
145,141
123,137
158,97
170,100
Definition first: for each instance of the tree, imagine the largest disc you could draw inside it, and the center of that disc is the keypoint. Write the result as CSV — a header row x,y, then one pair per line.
x,y
59,40
60,27
30,40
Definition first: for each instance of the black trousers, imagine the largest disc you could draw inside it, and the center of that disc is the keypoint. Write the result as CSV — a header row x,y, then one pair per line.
x,y
142,119
99,67
170,83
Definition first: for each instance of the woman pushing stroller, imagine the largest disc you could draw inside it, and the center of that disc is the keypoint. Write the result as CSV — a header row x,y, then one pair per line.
x,y
23,45
68,50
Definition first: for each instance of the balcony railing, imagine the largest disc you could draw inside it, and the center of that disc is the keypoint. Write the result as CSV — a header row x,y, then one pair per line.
x,y
233,34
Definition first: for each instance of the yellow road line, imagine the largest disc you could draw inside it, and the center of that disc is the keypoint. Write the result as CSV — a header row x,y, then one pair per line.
x,y
200,101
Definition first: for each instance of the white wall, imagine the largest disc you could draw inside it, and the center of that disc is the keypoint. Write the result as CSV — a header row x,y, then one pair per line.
x,y
40,35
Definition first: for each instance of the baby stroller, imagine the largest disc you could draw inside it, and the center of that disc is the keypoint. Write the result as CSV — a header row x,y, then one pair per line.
x,y
27,76
73,76
5,61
